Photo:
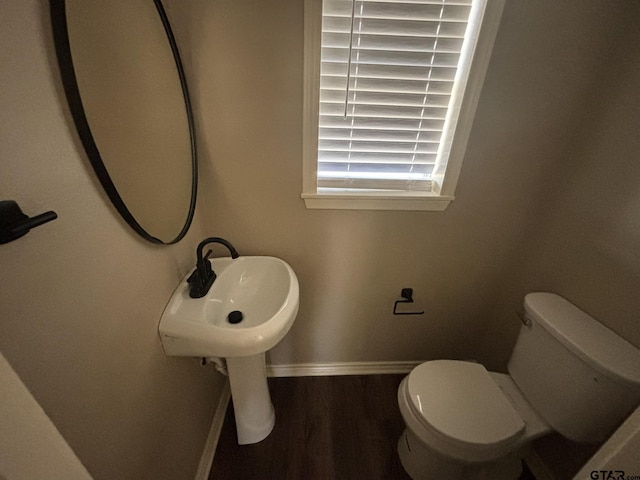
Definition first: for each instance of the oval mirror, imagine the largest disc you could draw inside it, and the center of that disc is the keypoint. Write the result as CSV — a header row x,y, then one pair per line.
x,y
127,93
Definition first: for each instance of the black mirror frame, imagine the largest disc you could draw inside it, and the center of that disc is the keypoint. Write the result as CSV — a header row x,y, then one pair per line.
x,y
70,84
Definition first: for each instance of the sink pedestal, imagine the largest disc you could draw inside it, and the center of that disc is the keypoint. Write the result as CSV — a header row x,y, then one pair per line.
x,y
252,405
249,308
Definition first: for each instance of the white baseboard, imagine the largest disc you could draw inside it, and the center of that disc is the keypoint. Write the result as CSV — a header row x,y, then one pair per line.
x,y
214,434
340,368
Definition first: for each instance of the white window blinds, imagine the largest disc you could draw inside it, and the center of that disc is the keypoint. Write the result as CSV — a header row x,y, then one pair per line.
x,y
386,82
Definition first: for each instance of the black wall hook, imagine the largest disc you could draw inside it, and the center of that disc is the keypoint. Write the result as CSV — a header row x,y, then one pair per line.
x,y
14,224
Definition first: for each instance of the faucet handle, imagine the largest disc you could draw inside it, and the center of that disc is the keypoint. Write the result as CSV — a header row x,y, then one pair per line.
x,y
193,277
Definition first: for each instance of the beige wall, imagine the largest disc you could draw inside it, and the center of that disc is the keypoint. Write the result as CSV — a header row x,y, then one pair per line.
x,y
586,244
31,445
81,297
247,62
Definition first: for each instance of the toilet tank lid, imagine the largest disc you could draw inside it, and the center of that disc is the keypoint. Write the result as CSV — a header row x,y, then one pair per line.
x,y
590,340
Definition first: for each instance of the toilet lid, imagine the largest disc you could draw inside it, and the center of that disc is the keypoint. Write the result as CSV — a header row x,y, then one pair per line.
x,y
461,401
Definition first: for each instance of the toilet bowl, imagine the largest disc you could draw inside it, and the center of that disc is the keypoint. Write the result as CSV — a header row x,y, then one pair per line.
x,y
567,373
464,422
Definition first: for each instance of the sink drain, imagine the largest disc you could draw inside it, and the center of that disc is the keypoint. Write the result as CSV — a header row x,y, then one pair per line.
x,y
235,317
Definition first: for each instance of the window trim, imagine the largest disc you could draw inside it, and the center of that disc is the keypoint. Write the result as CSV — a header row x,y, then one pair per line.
x,y
447,175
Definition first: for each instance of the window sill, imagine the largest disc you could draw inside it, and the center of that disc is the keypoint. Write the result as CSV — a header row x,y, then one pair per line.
x,y
376,200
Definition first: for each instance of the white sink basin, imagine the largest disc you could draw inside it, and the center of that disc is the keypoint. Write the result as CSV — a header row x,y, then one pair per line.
x,y
264,292
264,289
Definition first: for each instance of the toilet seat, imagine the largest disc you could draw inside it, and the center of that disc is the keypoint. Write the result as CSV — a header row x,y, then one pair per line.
x,y
459,403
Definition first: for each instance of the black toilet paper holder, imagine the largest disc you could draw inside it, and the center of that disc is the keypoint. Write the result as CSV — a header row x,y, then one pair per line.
x,y
407,297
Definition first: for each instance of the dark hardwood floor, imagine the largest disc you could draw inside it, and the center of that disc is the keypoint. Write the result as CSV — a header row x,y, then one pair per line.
x,y
326,428
342,428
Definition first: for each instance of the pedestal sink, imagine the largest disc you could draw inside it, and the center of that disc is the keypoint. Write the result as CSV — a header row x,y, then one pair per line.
x,y
249,309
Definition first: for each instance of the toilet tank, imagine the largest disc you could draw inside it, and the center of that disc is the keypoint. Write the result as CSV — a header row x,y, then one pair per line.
x,y
581,377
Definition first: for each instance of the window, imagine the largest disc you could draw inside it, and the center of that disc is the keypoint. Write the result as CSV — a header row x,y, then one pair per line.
x,y
390,93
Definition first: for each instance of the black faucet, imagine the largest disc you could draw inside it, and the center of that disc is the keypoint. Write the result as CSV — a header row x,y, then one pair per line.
x,y
203,276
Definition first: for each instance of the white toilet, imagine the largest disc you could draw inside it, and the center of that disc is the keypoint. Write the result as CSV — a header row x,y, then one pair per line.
x,y
567,373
